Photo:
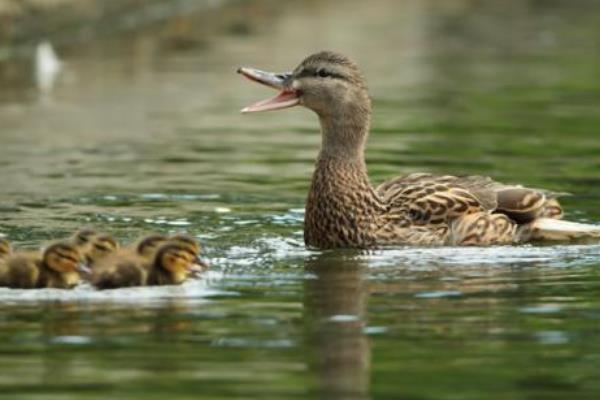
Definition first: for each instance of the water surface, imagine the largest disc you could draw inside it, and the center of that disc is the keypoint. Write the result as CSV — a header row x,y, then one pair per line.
x,y
142,134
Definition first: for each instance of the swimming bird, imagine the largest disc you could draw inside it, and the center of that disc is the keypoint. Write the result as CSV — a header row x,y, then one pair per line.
x,y
57,267
5,248
343,209
93,245
171,265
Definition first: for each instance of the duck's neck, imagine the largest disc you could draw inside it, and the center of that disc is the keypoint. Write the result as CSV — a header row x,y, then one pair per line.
x,y
341,205
344,132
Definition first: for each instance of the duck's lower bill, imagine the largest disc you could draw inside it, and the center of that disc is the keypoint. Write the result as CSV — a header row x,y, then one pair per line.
x,y
286,98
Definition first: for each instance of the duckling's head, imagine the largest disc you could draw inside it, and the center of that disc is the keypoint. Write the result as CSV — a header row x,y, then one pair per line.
x,y
83,236
148,246
5,248
191,245
175,259
100,246
325,82
62,257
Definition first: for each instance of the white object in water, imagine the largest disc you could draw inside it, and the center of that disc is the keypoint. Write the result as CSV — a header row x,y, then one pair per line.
x,y
47,66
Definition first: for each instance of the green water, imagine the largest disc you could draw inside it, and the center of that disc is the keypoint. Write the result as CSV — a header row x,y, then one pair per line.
x,y
142,134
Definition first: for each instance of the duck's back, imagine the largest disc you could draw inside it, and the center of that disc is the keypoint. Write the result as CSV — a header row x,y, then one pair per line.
x,y
470,210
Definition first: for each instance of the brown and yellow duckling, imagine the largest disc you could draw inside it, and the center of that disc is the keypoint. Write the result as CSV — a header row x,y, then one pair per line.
x,y
343,209
57,267
94,245
5,248
171,265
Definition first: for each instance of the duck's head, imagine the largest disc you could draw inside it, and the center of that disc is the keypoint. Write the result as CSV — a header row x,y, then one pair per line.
x,y
63,257
100,246
325,82
5,247
175,259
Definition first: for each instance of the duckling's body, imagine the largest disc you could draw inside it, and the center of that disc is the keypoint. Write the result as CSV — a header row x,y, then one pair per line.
x,y
56,267
5,248
171,264
343,209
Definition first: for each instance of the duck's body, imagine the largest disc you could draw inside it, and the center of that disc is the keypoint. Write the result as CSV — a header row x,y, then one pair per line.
x,y
343,209
56,267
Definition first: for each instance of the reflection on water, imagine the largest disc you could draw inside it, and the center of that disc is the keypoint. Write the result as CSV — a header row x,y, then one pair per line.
x,y
335,304
142,134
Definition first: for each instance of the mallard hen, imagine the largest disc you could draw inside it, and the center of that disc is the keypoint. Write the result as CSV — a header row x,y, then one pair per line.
x,y
343,209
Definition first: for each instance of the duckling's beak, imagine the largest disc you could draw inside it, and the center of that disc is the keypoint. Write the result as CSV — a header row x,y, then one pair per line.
x,y
84,269
287,96
199,265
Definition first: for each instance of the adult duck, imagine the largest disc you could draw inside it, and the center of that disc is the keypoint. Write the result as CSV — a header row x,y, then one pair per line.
x,y
343,209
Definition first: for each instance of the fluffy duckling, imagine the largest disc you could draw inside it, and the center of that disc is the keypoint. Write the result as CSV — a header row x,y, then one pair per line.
x,y
193,247
5,248
147,246
141,253
93,245
171,265
100,247
57,267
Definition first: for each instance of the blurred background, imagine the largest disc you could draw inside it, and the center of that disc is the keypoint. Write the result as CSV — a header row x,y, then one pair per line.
x,y
124,115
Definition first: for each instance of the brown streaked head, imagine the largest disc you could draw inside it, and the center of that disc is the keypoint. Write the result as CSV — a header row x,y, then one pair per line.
x,y
83,236
100,246
194,247
188,242
148,245
325,82
175,259
62,257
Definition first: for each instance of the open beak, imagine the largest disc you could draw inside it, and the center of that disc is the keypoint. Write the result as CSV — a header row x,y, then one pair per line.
x,y
287,96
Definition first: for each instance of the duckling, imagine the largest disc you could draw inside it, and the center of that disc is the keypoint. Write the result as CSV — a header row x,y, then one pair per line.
x,y
93,245
5,248
170,266
82,237
194,248
139,254
57,267
343,209
100,246
147,246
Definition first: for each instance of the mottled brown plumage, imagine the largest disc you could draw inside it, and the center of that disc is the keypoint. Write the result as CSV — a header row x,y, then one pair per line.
x,y
343,209
56,267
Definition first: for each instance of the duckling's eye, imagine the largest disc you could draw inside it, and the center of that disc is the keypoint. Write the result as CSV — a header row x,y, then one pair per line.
x,y
321,73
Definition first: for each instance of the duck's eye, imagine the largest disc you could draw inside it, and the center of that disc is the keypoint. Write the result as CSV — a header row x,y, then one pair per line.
x,y
321,73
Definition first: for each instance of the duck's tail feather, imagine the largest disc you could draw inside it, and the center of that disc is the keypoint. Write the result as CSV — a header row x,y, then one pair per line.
x,y
558,230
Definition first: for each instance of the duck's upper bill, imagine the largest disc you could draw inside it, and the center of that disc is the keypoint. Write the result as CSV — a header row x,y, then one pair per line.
x,y
287,97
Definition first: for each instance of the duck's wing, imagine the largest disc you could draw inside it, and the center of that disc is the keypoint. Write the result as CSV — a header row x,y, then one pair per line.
x,y
428,199
431,199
